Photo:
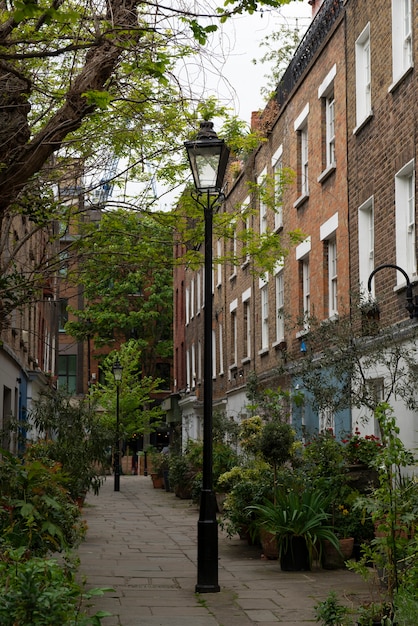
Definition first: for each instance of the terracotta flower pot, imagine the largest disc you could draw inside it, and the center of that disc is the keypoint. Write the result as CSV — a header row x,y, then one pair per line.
x,y
269,544
157,481
331,558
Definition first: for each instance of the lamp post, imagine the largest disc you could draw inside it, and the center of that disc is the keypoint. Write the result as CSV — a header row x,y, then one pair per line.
x,y
411,303
208,157
117,373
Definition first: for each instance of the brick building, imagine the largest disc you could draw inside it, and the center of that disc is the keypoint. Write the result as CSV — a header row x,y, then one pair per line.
x,y
381,50
343,121
28,343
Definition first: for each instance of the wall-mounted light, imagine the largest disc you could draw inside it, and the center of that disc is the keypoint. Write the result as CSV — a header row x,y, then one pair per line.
x,y
411,302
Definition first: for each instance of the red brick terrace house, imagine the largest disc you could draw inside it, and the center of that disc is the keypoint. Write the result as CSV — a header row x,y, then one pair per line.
x,y
343,120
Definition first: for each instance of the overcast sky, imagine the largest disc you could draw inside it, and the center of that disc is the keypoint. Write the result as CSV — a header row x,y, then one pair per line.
x,y
239,43
231,75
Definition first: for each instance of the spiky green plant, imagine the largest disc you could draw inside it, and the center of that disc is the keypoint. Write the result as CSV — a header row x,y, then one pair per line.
x,y
297,514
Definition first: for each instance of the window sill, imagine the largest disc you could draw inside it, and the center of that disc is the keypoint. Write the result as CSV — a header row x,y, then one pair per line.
x,y
363,123
278,229
245,360
326,172
263,352
301,200
400,79
245,264
332,318
233,277
401,286
302,333
280,344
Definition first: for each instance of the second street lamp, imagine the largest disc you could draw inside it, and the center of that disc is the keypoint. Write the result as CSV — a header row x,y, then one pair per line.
x,y
117,373
208,157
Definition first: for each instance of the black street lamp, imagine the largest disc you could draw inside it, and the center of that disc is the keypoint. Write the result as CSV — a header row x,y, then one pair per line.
x,y
411,303
208,156
117,373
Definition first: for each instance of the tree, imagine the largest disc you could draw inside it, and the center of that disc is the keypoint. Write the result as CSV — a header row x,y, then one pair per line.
x,y
62,63
88,83
139,415
124,271
280,45
352,362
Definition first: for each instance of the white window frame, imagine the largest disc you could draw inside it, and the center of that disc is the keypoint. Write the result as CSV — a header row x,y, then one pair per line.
x,y
188,370
402,58
264,304
301,127
193,365
199,361
406,256
330,130
213,354
326,417
302,255
221,351
233,249
277,164
246,218
279,286
234,332
328,233
304,157
363,78
198,292
261,181
306,289
219,263
192,298
332,277
326,92
187,304
246,316
366,244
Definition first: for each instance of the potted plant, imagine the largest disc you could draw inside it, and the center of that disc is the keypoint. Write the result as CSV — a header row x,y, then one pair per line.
x,y
406,605
330,612
157,461
345,521
393,508
181,476
244,486
300,523
376,614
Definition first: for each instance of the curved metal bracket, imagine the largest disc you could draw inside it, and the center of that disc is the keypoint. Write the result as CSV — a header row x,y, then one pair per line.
x,y
211,199
411,306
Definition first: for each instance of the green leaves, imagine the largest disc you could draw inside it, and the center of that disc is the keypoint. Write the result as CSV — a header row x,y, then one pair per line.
x,y
101,99
41,592
200,33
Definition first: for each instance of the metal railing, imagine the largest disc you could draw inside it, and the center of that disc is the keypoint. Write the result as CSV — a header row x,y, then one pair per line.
x,y
315,35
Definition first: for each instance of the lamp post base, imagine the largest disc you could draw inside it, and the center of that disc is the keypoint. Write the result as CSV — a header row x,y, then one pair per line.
x,y
207,545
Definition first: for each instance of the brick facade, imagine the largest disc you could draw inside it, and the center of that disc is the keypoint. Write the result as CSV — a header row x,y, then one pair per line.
x,y
364,173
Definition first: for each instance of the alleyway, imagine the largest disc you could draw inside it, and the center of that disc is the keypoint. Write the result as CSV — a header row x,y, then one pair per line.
x,y
142,542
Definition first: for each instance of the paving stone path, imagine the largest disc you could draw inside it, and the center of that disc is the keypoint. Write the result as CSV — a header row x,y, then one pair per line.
x,y
142,542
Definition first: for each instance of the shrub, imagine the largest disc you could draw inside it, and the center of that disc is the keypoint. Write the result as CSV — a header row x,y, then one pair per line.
x,y
81,440
40,592
36,512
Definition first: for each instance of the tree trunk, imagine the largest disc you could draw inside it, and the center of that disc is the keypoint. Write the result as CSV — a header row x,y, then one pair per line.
x,y
26,159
